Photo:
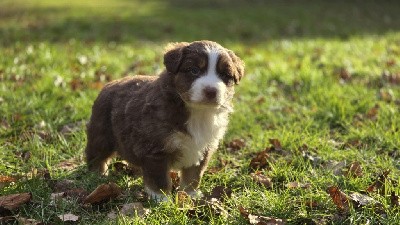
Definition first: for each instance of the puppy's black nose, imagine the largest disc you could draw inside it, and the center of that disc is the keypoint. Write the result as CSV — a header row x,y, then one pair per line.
x,y
210,93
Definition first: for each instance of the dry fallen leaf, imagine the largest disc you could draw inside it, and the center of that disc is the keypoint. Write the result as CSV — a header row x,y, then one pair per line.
x,y
340,199
360,200
133,209
14,201
295,184
175,179
5,180
68,217
262,179
183,199
235,144
260,161
276,144
102,193
220,193
70,164
373,112
344,74
260,220
77,84
355,170
394,200
379,183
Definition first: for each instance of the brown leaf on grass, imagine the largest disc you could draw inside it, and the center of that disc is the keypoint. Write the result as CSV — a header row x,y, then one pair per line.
x,y
379,183
344,74
295,184
340,199
175,179
312,204
77,84
103,193
14,201
355,143
183,199
67,165
69,217
235,144
244,212
5,180
260,220
220,193
276,144
262,179
394,200
260,161
373,112
354,170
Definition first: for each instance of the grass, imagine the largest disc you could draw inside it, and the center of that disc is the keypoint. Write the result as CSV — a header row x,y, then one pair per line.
x,y
313,74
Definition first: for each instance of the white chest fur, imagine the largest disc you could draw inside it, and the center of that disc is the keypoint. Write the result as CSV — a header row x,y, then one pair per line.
x,y
206,128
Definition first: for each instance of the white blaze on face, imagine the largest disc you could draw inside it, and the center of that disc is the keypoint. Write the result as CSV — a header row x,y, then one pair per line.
x,y
209,80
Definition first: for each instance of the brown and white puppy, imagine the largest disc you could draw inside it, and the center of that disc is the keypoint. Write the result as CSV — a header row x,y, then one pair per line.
x,y
170,122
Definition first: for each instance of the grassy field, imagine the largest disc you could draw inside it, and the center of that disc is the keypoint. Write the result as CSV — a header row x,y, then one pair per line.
x,y
323,78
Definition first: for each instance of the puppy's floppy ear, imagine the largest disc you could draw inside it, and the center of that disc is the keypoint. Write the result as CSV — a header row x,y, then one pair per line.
x,y
173,56
239,65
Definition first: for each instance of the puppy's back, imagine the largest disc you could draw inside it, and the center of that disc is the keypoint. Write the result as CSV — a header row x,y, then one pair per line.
x,y
101,139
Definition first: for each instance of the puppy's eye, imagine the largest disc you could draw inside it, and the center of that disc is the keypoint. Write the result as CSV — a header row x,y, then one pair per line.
x,y
195,70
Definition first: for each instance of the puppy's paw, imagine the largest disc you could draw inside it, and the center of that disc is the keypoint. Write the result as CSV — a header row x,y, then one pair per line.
x,y
195,194
158,197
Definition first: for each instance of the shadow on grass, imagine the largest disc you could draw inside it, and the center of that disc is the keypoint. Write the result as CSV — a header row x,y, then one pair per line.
x,y
177,20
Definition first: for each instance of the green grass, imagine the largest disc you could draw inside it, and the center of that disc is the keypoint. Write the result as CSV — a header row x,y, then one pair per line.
x,y
53,54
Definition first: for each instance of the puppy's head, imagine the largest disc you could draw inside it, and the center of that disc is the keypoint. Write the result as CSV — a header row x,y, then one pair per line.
x,y
204,72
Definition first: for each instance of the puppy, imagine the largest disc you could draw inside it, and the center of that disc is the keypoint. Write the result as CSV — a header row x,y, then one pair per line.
x,y
170,122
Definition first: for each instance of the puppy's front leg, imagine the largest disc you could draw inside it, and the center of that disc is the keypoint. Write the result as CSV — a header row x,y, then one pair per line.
x,y
190,180
156,177
191,177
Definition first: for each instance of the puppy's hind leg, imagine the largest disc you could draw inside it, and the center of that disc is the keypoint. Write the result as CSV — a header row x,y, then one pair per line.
x,y
99,150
